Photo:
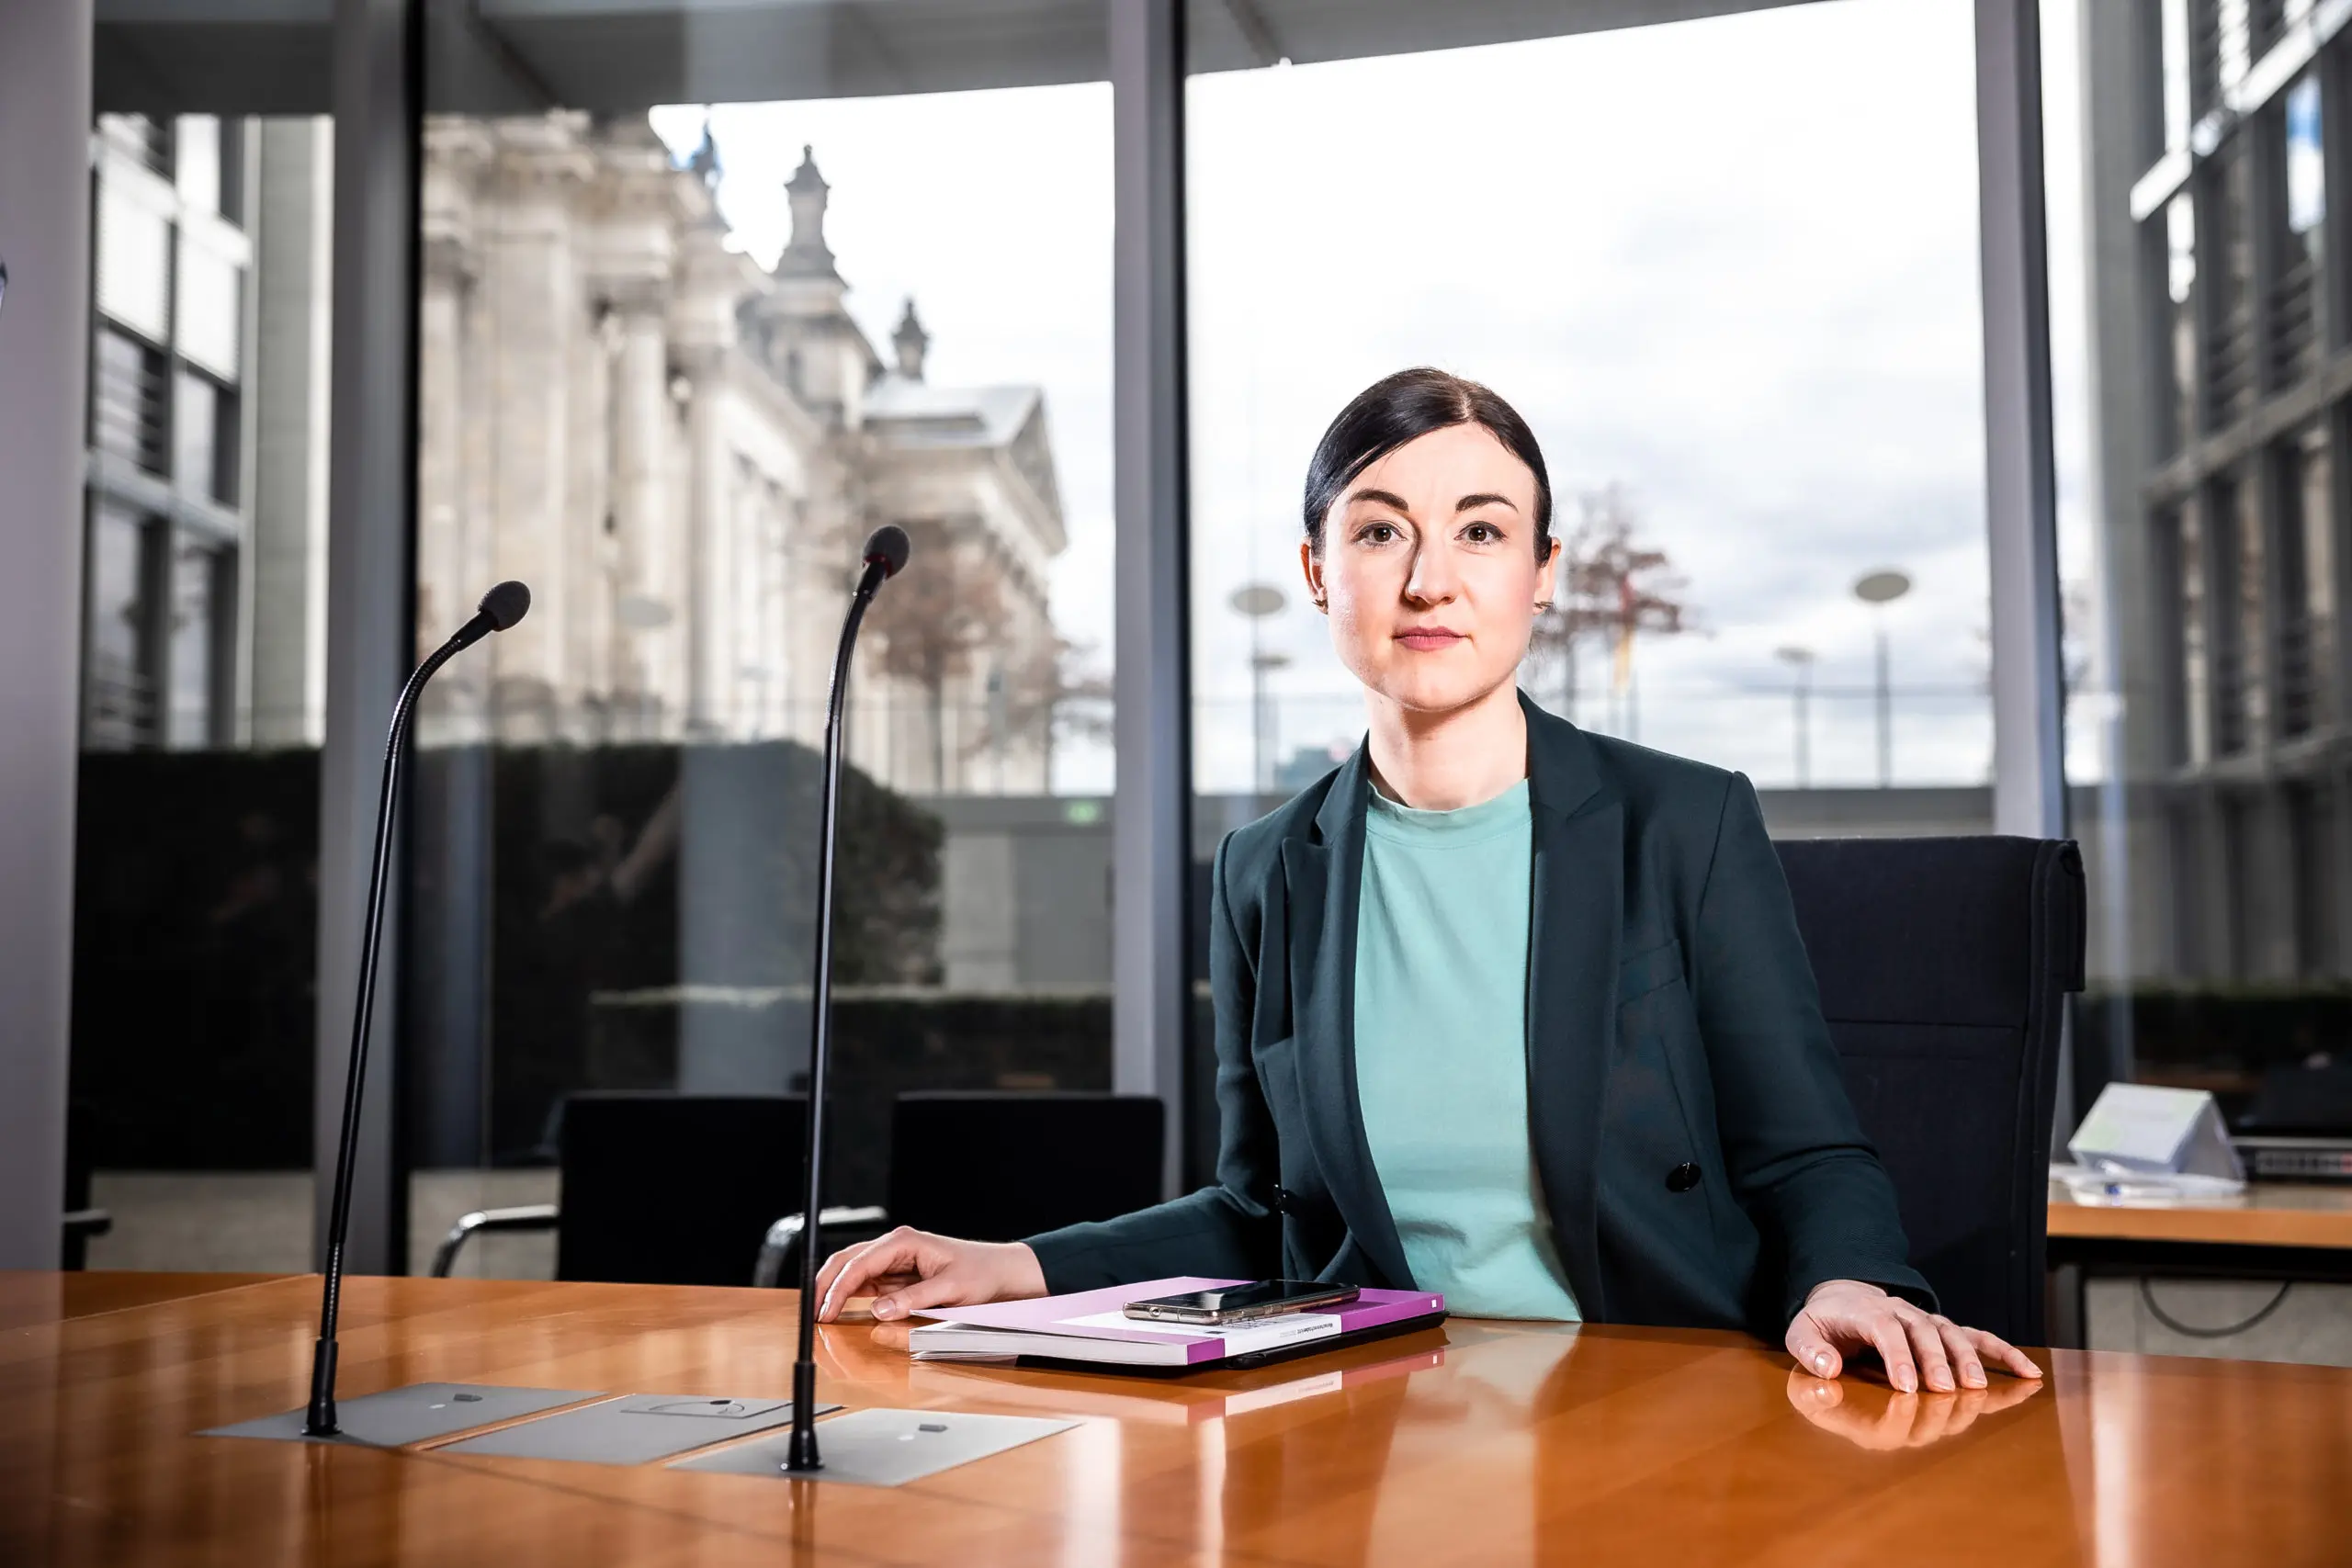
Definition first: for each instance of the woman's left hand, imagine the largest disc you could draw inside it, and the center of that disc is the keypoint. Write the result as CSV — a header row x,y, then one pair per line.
x,y
1918,1347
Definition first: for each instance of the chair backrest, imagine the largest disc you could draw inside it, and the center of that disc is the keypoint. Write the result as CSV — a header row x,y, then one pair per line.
x,y
998,1166
1942,965
674,1189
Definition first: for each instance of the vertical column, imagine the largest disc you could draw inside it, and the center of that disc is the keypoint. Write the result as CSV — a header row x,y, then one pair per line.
x,y
528,270
649,599
2020,463
1151,850
2123,126
44,341
444,596
591,556
711,529
370,488
2020,491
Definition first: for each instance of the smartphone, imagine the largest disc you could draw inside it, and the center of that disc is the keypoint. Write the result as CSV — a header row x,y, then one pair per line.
x,y
1238,1304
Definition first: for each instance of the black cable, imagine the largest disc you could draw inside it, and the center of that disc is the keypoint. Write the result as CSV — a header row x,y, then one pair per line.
x,y
2148,1297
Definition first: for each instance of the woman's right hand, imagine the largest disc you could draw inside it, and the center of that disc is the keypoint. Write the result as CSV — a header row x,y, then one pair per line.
x,y
910,1269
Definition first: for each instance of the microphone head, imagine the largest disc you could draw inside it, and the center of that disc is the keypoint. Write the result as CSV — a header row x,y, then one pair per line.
x,y
505,604
889,546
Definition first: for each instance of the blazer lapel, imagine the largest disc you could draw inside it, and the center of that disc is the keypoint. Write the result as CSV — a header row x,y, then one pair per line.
x,y
1574,932
1325,881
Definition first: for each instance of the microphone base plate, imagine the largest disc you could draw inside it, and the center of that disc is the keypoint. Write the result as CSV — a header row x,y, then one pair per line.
x,y
882,1448
418,1413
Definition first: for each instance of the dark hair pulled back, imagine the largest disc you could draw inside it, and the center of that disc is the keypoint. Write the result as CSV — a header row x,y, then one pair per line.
x,y
1404,407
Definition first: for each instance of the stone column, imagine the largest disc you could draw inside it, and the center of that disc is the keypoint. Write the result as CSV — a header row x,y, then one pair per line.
x,y
585,714
710,527
535,316
651,632
444,597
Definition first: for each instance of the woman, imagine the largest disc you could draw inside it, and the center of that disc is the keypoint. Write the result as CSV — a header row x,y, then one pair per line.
x,y
1504,1009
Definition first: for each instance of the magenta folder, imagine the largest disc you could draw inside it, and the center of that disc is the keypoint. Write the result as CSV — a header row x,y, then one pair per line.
x,y
1089,1326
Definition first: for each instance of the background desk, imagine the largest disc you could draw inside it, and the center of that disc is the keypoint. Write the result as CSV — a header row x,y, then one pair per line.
x,y
1474,1443
2271,1231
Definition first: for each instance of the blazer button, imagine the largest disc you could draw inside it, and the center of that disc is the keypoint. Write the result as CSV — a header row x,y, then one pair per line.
x,y
1683,1177
1285,1201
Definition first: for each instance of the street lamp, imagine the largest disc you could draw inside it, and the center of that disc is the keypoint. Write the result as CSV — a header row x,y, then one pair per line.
x,y
1255,602
1801,661
1879,589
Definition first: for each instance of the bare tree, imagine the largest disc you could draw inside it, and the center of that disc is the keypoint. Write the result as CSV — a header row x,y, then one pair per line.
x,y
1051,692
938,622
1609,583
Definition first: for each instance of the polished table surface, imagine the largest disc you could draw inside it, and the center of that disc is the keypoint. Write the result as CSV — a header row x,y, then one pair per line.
x,y
28,1298
1474,1443
2268,1214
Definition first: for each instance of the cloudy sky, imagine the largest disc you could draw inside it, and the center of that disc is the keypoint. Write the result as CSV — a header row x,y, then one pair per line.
x,y
1729,264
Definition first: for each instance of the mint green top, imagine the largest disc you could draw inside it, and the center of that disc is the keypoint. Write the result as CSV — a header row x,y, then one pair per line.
x,y
1440,1046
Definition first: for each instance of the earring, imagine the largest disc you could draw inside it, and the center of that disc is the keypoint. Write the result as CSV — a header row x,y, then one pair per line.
x,y
1542,606
1322,604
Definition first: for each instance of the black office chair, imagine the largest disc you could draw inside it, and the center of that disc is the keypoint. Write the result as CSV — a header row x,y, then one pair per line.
x,y
991,1166
1943,965
661,1189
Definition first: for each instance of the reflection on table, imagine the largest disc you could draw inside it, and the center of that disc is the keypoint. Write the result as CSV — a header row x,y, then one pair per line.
x,y
1474,1443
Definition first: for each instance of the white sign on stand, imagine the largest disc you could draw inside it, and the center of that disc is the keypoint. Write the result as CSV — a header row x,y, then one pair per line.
x,y
2146,1130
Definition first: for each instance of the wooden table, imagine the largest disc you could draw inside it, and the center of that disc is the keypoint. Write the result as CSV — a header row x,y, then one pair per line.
x,y
2273,1230
29,1298
1475,1443
2268,1214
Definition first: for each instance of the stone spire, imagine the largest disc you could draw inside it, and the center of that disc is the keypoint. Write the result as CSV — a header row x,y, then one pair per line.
x,y
911,341
807,253
704,161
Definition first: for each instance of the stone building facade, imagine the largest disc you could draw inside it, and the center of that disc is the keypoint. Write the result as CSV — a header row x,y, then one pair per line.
x,y
679,451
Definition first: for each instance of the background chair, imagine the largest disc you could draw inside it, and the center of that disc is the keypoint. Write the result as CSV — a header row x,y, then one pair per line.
x,y
990,1165
661,1189
1943,965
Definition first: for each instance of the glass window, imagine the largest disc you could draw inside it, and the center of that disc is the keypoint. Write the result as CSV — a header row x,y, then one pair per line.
x,y
194,1015
199,611
2177,346
2299,202
2173,64
133,243
1730,459
210,318
195,433
2211,818
676,360
2215,50
2306,588
197,147
2235,568
2305,164
1755,388
127,413
2228,275
121,659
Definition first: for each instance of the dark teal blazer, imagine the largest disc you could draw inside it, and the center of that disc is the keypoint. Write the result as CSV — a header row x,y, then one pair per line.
x,y
1700,1161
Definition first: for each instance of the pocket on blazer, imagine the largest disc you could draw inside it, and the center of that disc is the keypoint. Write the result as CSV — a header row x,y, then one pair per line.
x,y
1657,1030
1645,971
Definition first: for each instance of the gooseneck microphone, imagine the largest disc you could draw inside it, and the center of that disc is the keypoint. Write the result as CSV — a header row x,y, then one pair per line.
x,y
886,554
500,608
